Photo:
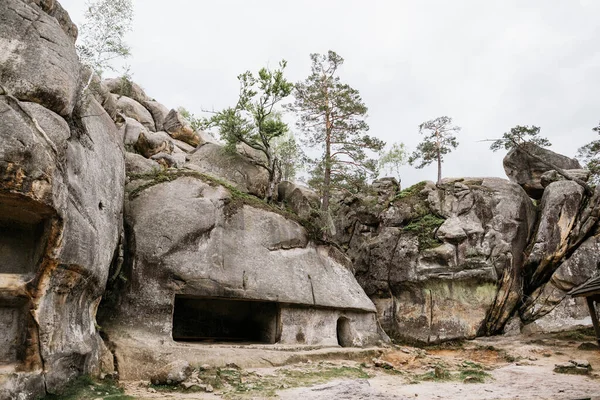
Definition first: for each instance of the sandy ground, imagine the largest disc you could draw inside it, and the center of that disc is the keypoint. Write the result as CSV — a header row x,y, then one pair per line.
x,y
507,367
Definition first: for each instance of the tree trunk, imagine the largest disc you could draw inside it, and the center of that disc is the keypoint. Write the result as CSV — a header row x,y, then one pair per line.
x,y
439,158
327,169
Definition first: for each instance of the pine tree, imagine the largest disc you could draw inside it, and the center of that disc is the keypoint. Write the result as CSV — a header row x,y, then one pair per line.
x,y
438,142
332,118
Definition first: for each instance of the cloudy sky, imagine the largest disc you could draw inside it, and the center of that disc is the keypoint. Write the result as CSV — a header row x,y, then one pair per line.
x,y
489,65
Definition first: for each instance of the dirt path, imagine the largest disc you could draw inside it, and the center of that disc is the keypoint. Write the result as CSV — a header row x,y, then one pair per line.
x,y
491,368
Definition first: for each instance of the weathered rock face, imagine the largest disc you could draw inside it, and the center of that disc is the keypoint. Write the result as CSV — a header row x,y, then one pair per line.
x,y
195,246
527,171
61,199
61,223
578,268
434,261
38,62
235,168
301,200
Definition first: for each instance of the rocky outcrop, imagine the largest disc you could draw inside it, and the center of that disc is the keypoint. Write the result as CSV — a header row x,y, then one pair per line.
x,y
62,199
301,200
526,170
583,264
441,262
62,175
214,160
193,241
132,109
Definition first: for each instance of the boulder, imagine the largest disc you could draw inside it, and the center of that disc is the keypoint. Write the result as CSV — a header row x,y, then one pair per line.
x,y
132,109
214,160
527,171
131,130
172,374
38,61
151,143
167,160
300,200
179,129
124,87
136,164
552,176
158,111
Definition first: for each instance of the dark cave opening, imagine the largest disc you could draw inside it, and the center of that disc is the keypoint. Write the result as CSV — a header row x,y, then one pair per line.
x,y
221,320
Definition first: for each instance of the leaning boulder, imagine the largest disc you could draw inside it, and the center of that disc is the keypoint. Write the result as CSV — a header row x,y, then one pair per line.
x,y
526,170
159,113
544,309
124,87
179,129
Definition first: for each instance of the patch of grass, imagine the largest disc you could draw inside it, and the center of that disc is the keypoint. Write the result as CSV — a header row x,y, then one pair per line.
x,y
414,190
425,228
86,388
577,335
468,371
440,373
239,384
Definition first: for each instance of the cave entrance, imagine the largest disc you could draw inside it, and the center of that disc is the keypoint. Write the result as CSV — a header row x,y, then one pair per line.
x,y
219,320
22,235
344,332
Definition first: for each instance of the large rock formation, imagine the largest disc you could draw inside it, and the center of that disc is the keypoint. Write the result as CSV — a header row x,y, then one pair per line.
x,y
60,215
436,258
460,259
205,263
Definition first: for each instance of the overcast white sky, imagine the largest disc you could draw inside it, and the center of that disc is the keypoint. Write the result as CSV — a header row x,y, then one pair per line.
x,y
489,65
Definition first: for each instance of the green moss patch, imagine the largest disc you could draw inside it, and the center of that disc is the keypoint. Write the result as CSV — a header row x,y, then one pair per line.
x,y
425,228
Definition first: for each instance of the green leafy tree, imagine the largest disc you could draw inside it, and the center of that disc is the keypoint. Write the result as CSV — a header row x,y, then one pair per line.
x,y
102,35
391,160
590,155
439,140
518,136
254,120
331,115
290,154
